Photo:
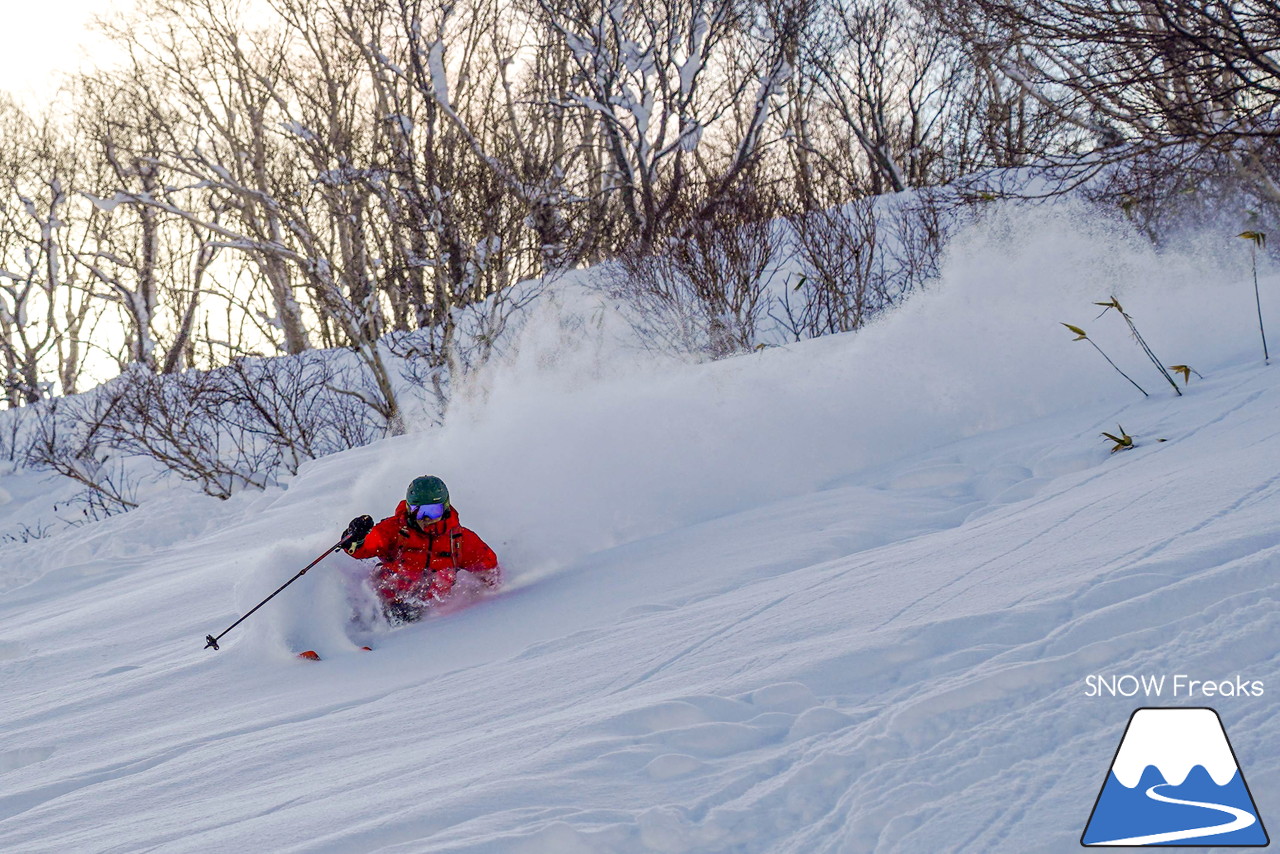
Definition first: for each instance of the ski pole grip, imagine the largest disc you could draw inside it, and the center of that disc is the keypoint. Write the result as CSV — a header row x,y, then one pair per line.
x,y
356,531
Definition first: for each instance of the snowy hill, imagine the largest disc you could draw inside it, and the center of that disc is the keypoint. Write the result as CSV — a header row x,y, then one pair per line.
x,y
836,597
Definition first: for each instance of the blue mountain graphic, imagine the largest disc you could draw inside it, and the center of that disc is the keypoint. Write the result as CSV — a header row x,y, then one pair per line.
x,y
1124,813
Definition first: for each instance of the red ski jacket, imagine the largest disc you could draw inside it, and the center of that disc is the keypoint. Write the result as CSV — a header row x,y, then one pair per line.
x,y
423,563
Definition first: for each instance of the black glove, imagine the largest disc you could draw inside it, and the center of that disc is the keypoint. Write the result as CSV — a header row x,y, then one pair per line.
x,y
357,531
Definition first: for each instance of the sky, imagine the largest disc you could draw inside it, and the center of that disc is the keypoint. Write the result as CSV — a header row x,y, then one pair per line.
x,y
46,38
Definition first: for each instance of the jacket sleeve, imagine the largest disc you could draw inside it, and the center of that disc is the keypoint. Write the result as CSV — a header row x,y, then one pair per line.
x,y
378,541
474,554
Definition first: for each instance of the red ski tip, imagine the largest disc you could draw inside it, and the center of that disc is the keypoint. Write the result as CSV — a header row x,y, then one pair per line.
x,y
367,648
309,655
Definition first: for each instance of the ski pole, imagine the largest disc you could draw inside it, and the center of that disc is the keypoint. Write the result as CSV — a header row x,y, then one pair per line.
x,y
213,642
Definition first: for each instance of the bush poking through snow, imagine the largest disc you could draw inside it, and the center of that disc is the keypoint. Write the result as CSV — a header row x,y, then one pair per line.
x,y
1123,442
1137,336
1081,335
1186,371
243,425
1258,240
72,436
705,292
861,259
28,533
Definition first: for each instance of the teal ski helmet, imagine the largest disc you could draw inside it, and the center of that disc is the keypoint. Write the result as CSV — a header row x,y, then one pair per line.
x,y
427,489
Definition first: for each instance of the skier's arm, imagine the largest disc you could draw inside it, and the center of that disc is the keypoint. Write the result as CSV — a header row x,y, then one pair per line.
x,y
474,554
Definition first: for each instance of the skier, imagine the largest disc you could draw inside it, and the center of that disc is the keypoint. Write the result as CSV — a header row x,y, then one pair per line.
x,y
421,548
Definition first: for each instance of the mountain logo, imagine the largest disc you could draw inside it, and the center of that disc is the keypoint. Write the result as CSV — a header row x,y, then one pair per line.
x,y
1175,781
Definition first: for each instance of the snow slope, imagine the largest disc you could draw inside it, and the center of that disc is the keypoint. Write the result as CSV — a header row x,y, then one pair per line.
x,y
836,597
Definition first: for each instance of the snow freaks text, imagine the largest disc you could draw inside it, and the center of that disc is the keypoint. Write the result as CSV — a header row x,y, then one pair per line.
x,y
1175,685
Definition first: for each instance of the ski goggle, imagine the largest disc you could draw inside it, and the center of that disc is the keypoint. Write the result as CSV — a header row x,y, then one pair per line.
x,y
428,511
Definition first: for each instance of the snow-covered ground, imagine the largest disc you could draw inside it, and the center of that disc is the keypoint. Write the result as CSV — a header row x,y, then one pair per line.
x,y
836,597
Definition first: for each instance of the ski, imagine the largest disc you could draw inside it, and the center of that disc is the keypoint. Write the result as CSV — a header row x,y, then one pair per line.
x,y
312,655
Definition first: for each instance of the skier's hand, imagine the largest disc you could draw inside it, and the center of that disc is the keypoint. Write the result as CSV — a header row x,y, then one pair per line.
x,y
357,531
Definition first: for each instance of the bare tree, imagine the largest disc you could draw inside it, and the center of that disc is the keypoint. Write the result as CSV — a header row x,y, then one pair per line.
x,y
213,86
44,314
149,262
1196,80
660,81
